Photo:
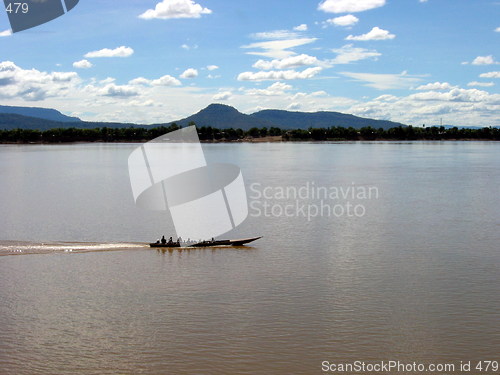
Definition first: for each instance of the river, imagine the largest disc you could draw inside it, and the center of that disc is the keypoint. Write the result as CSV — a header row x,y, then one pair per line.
x,y
371,251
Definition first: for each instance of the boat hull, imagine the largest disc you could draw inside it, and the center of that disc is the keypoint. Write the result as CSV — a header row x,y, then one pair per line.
x,y
166,245
239,242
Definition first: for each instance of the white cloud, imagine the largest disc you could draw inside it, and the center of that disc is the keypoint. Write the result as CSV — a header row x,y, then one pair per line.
x,y
348,54
456,106
481,84
279,75
106,80
188,47
348,6
385,81
275,34
140,81
387,98
121,51
277,49
224,95
301,27
189,73
6,33
100,100
165,80
436,86
497,30
458,95
374,34
117,91
484,60
82,64
490,75
276,89
140,103
63,76
175,9
286,63
32,84
347,20
294,106
212,67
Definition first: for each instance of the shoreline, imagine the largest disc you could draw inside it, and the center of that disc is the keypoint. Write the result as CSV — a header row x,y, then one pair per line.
x,y
262,140
253,135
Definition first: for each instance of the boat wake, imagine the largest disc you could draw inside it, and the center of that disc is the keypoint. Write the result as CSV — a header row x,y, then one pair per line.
x,y
25,247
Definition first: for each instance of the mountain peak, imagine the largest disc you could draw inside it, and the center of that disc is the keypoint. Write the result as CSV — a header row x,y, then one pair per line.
x,y
220,108
223,116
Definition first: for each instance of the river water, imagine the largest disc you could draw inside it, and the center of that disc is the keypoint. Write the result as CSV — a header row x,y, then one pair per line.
x,y
371,252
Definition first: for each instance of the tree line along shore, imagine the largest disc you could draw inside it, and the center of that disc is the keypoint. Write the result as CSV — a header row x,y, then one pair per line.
x,y
211,134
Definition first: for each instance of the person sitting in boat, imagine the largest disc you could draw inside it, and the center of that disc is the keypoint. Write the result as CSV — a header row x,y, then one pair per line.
x,y
163,240
170,240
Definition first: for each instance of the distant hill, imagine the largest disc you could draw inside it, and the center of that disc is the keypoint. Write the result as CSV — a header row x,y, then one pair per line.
x,y
9,121
305,120
42,113
224,116
215,115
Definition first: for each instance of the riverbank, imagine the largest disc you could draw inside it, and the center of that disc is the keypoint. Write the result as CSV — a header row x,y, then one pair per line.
x,y
254,135
267,140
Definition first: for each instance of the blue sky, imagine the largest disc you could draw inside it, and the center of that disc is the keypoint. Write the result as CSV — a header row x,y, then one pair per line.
x,y
412,61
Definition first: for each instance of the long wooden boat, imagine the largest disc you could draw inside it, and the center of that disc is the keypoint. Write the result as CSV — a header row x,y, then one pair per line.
x,y
238,242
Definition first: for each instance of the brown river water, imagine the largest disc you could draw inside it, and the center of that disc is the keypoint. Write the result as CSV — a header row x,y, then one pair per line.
x,y
371,252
